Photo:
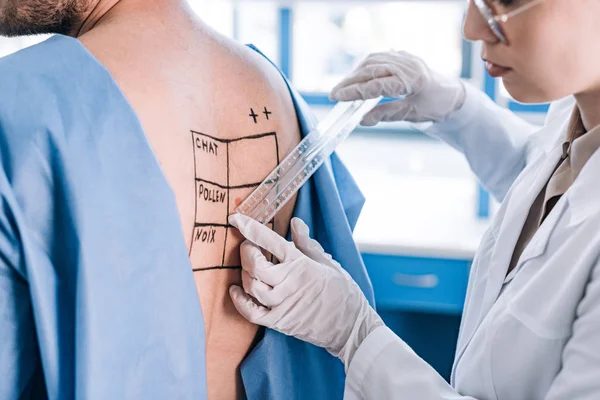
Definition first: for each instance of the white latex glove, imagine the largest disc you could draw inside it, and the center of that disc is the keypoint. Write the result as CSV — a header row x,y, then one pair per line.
x,y
430,97
307,295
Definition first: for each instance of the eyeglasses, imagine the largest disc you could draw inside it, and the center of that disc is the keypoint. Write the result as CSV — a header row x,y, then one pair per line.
x,y
494,20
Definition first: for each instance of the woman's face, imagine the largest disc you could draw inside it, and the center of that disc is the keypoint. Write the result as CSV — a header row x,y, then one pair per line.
x,y
552,49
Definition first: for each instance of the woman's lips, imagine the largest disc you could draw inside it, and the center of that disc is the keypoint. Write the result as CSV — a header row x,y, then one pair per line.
x,y
496,70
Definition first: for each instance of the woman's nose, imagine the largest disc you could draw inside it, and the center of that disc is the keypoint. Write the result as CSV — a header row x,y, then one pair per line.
x,y
475,27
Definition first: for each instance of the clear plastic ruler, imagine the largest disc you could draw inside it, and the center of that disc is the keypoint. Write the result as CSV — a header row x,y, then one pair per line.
x,y
302,162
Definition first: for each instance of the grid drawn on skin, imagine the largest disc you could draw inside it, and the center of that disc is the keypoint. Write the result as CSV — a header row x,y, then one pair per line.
x,y
214,197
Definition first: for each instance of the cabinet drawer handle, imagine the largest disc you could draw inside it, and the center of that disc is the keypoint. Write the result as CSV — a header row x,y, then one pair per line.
x,y
426,281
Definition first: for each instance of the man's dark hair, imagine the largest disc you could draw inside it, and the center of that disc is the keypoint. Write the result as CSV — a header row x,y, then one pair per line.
x,y
32,17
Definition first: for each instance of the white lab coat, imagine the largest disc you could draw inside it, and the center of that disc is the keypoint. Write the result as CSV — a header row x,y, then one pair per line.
x,y
536,333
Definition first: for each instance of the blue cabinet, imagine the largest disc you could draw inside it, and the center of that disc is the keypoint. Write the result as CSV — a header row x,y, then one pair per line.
x,y
418,284
421,300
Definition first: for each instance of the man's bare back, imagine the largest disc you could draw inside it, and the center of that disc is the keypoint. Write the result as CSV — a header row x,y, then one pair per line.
x,y
219,117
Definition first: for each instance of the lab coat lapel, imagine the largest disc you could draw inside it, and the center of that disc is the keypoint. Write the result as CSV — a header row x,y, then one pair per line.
x,y
585,191
520,202
581,202
538,245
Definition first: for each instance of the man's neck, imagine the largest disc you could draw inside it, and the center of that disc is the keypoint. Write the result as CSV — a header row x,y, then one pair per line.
x,y
103,11
100,11
589,107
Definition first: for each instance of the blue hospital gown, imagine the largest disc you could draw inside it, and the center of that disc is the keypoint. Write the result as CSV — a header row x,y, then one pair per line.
x,y
95,302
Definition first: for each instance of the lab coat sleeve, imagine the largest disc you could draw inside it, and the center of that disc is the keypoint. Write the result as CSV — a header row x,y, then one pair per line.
x,y
494,140
384,367
579,377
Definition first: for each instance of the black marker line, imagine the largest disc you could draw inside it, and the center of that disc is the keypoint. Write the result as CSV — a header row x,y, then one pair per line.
x,y
214,268
251,137
277,148
276,181
195,197
212,183
250,185
210,137
267,113
271,181
253,115
206,225
227,213
257,136
227,187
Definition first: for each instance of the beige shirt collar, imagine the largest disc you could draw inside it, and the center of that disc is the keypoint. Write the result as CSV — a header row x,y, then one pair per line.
x,y
583,145
578,147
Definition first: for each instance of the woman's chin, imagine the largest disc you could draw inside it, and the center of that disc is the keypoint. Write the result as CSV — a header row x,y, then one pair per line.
x,y
527,95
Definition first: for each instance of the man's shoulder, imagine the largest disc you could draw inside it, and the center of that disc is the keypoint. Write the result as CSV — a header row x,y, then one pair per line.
x,y
53,97
30,84
57,67
31,78
58,53
47,84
